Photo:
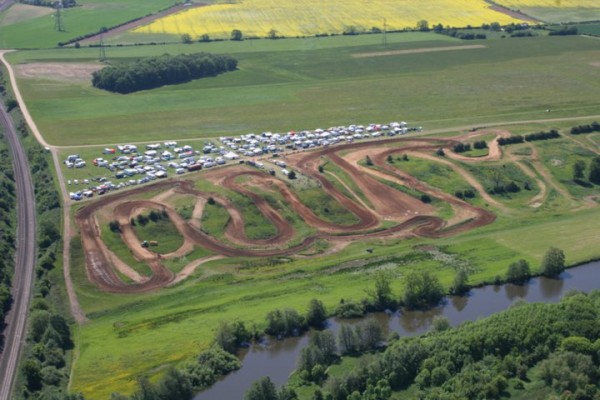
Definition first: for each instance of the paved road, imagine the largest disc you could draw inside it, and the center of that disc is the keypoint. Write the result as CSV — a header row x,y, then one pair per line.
x,y
25,260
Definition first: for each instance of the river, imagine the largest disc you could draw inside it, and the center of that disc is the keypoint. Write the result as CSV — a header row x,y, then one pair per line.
x,y
277,359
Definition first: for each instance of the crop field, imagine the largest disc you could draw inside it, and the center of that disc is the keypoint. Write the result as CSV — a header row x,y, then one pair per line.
x,y
197,290
556,10
257,18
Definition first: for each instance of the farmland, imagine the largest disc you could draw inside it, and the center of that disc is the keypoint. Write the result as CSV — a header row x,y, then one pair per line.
x,y
555,11
257,18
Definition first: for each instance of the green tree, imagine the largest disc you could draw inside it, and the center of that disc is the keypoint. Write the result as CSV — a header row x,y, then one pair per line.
x,y
272,34
186,38
423,26
262,389
368,161
594,175
291,175
518,272
578,170
460,285
175,385
10,104
422,289
316,315
381,294
347,340
32,371
204,38
236,34
553,263
325,342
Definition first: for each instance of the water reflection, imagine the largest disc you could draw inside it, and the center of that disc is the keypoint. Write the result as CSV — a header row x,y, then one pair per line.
x,y
277,359
516,291
552,288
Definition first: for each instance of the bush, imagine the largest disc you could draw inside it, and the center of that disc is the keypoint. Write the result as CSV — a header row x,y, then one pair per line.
x,y
10,104
461,147
285,323
480,144
349,309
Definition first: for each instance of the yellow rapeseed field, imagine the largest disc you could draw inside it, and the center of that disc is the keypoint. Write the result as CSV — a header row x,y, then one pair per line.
x,y
309,17
518,4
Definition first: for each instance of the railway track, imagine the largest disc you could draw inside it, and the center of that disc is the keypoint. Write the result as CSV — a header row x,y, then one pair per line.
x,y
24,261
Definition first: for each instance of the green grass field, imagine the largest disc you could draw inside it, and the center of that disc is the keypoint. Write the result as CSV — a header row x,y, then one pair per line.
x,y
170,238
323,87
88,17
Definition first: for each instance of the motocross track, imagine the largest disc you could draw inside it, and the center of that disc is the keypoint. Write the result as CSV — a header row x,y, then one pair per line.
x,y
412,217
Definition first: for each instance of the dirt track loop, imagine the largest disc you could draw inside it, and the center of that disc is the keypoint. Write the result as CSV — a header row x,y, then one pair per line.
x,y
412,217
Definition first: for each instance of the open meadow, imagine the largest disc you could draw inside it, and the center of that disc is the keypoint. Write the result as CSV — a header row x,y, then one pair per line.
x,y
300,84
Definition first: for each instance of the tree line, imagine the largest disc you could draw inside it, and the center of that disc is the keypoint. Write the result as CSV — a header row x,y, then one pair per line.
x,y
153,72
593,127
7,231
552,134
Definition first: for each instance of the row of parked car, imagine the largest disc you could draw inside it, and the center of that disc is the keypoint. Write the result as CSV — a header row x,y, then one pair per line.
x,y
132,166
253,145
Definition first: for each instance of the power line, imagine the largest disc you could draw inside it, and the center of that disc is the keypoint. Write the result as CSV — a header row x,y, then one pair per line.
x,y
102,50
58,21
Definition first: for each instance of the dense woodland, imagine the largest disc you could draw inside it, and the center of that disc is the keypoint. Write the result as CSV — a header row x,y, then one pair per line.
x,y
153,72
45,365
7,230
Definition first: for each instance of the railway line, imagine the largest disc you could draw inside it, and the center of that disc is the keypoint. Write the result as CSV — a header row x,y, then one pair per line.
x,y
16,320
